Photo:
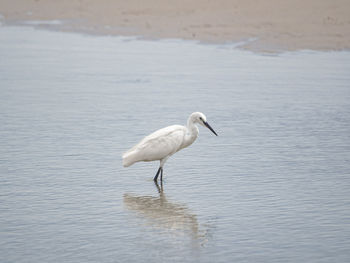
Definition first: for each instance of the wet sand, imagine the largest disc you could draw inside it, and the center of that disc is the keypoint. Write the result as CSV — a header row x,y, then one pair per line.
x,y
262,25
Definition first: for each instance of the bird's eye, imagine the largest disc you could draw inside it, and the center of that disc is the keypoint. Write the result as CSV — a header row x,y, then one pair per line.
x,y
200,118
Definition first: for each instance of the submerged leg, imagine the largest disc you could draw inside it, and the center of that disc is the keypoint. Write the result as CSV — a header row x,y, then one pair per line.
x,y
156,177
160,189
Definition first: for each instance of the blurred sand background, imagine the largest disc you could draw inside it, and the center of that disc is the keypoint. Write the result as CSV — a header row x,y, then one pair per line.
x,y
266,24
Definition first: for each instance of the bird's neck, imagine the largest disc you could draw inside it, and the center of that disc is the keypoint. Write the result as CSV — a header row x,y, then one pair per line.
x,y
191,134
192,128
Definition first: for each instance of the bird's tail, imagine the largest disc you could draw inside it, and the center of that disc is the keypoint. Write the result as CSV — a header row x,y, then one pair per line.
x,y
127,159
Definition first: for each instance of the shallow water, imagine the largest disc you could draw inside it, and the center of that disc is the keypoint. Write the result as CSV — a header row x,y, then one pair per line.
x,y
272,187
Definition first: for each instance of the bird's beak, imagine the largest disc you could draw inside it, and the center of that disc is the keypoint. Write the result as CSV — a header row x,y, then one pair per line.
x,y
210,128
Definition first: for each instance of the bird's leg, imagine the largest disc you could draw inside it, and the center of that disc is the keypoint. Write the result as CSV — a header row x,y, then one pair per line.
x,y
161,174
160,189
162,162
156,177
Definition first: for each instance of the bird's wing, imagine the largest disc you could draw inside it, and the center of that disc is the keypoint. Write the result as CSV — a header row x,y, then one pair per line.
x,y
158,145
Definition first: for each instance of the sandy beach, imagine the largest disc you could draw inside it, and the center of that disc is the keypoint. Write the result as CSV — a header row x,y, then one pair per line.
x,y
262,25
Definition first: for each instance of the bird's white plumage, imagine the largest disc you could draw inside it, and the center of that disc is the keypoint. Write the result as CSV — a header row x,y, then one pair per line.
x,y
156,146
163,143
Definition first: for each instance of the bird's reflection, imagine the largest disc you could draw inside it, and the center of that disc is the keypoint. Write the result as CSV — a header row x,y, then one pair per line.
x,y
161,213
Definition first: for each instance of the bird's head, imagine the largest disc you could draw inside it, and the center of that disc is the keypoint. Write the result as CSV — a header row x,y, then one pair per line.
x,y
198,117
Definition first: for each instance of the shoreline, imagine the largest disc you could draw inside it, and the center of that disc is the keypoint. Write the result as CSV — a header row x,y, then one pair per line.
x,y
270,27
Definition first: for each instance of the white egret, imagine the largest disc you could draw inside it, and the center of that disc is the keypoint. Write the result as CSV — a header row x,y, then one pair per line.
x,y
163,143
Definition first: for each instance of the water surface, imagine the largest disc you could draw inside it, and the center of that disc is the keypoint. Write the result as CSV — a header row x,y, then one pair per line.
x,y
272,187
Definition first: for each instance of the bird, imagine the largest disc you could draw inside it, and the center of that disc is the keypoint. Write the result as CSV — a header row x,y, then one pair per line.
x,y
163,143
